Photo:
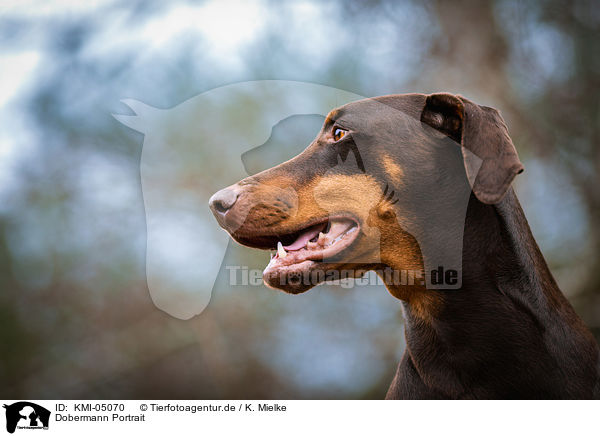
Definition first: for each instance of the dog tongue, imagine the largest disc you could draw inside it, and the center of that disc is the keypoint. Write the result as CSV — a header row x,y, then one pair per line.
x,y
304,237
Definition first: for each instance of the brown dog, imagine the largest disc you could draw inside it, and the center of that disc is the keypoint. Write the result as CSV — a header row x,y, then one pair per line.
x,y
422,183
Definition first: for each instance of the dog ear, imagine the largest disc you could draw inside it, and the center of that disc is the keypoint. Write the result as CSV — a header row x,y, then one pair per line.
x,y
482,134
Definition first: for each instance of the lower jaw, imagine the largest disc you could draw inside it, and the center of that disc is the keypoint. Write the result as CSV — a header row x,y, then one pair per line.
x,y
298,277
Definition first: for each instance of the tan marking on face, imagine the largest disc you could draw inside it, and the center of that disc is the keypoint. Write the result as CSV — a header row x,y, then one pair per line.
x,y
400,251
356,194
394,170
331,116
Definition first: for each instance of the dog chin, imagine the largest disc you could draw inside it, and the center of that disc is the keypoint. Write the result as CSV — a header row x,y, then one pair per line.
x,y
299,278
290,288
294,278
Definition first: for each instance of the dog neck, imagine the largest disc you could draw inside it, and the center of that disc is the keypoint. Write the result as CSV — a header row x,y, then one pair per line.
x,y
497,320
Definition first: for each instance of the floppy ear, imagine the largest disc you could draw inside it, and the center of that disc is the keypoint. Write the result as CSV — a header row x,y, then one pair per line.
x,y
480,131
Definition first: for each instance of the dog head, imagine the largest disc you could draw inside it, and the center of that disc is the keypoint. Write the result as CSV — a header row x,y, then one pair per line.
x,y
385,183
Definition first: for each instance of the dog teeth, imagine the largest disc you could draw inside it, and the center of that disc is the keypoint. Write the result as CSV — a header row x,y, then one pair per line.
x,y
322,238
280,250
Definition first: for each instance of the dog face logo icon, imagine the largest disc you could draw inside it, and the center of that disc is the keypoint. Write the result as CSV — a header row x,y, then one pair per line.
x,y
26,415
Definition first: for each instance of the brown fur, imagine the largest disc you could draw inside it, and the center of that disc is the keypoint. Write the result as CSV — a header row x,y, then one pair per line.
x,y
508,332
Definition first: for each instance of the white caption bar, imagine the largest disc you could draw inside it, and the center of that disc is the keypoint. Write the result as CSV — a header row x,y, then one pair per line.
x,y
299,417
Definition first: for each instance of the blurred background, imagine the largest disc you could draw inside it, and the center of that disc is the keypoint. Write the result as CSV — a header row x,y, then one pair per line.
x,y
76,318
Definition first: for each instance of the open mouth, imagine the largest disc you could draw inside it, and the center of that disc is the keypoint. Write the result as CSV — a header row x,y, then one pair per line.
x,y
298,253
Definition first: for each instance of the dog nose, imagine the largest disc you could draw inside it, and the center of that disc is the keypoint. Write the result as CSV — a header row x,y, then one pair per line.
x,y
222,201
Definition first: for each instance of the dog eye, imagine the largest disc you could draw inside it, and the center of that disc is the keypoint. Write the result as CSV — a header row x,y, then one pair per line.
x,y
339,134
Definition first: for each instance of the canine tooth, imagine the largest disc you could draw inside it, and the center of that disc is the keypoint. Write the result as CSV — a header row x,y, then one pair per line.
x,y
321,239
280,250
